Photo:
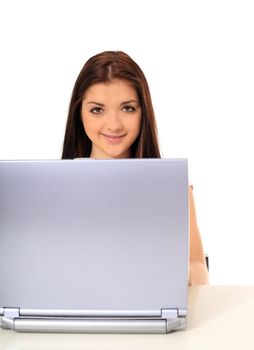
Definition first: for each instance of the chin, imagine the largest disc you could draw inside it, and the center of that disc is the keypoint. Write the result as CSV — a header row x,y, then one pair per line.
x,y
116,154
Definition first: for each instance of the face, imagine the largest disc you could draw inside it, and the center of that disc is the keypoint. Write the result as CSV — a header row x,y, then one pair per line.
x,y
111,115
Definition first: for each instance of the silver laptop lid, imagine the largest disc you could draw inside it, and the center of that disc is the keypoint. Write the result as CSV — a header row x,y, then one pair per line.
x,y
94,235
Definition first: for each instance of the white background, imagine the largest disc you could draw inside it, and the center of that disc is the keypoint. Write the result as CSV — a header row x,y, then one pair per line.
x,y
198,57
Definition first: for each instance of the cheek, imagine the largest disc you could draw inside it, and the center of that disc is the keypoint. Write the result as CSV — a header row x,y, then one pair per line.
x,y
136,125
90,124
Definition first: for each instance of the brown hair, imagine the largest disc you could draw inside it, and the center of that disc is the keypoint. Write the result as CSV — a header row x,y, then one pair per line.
x,y
104,67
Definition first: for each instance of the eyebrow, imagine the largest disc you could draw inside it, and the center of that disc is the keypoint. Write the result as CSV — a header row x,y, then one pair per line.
x,y
130,101
95,103
102,105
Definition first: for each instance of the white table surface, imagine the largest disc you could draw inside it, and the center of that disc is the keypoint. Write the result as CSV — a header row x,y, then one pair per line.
x,y
218,318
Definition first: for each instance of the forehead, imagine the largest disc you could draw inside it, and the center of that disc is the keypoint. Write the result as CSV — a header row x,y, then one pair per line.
x,y
114,90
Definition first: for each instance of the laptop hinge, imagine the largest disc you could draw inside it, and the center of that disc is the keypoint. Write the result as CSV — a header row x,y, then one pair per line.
x,y
13,320
175,319
9,314
90,325
171,320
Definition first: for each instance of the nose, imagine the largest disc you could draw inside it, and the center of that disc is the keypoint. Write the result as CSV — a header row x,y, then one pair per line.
x,y
114,122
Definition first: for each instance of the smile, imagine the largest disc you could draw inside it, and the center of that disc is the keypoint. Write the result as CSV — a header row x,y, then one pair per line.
x,y
113,138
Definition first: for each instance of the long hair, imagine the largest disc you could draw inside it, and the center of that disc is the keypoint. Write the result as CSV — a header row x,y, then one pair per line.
x,y
105,67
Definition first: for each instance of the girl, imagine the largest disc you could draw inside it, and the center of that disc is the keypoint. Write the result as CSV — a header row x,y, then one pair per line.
x,y
111,116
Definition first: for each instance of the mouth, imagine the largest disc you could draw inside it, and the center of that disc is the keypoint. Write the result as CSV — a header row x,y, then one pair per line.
x,y
114,138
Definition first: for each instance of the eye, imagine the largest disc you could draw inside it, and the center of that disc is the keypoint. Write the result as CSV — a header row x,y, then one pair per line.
x,y
128,109
96,110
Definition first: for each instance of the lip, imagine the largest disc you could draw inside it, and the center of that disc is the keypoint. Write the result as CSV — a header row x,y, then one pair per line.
x,y
114,138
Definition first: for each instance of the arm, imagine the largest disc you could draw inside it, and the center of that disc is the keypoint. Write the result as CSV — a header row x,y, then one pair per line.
x,y
198,273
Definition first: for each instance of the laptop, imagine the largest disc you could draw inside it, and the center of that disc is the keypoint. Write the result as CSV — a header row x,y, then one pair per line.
x,y
94,246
